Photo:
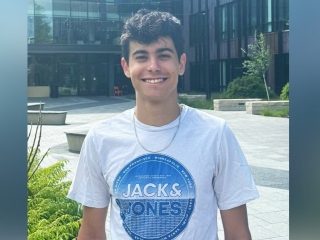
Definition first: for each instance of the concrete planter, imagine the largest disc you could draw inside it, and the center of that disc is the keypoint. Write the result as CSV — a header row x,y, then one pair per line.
x,y
48,117
35,106
257,107
75,141
76,136
232,104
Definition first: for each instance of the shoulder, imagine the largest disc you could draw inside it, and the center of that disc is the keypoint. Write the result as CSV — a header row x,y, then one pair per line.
x,y
112,126
204,119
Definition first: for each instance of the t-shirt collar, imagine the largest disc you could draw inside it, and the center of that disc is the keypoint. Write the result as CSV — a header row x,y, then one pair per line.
x,y
170,125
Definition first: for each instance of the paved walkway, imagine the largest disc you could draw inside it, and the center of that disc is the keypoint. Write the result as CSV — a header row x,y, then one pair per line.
x,y
264,141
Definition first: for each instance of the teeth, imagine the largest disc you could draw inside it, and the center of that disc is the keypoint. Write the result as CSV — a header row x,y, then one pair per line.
x,y
154,80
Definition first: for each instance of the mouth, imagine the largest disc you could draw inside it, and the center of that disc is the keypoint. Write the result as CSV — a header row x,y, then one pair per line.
x,y
154,80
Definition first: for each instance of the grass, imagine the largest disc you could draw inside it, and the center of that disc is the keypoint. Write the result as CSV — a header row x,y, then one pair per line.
x,y
275,113
196,103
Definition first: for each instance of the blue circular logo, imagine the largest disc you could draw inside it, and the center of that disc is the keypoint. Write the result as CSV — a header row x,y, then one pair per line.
x,y
156,196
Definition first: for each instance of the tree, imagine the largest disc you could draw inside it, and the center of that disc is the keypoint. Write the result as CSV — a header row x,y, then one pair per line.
x,y
260,58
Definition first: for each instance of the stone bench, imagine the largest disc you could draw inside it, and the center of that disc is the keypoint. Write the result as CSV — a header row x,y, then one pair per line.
x,y
256,107
232,104
76,136
48,117
35,106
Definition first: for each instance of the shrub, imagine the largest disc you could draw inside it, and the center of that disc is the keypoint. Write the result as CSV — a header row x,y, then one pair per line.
x,y
248,87
285,92
51,215
275,113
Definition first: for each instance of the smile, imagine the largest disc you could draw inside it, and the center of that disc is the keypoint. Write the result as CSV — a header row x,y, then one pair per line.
x,y
152,81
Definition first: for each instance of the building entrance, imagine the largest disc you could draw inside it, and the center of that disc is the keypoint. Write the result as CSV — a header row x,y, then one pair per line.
x,y
67,79
82,75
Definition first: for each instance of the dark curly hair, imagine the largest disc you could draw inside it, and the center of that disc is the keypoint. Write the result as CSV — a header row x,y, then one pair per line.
x,y
148,26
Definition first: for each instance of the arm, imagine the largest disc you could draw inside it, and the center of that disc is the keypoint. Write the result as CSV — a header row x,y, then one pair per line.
x,y
93,224
235,223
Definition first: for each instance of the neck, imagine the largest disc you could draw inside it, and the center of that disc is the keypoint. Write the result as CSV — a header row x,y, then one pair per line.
x,y
157,113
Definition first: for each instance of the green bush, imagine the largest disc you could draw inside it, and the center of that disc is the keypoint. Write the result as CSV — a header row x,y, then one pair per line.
x,y
285,92
51,215
248,87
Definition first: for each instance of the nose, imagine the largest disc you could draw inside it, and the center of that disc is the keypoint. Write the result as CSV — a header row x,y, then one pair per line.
x,y
153,65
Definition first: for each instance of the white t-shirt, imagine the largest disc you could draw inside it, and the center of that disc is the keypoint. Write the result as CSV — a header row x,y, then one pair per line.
x,y
169,195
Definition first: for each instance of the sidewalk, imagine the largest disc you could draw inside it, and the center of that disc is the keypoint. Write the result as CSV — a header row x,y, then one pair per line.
x,y
264,141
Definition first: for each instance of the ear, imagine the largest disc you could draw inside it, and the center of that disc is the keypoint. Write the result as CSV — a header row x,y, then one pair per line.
x,y
182,64
125,68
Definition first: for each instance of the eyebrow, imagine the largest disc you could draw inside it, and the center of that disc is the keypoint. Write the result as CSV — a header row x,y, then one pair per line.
x,y
159,50
140,52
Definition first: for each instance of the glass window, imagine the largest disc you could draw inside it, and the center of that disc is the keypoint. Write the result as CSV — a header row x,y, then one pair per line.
x,y
43,8
79,9
61,8
93,10
223,76
253,17
30,7
196,29
243,17
30,29
224,22
286,14
43,24
234,20
281,12
266,16
42,29
31,70
62,29
63,32
43,70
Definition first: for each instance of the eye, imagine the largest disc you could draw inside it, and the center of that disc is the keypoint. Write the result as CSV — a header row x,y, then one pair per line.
x,y
141,57
164,56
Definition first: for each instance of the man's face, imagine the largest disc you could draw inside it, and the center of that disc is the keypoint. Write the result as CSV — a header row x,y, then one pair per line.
x,y
154,69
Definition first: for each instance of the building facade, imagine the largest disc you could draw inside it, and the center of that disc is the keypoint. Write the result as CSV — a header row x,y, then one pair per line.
x,y
73,44
232,26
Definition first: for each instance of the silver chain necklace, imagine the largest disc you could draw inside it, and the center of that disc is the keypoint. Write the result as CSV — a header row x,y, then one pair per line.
x,y
135,131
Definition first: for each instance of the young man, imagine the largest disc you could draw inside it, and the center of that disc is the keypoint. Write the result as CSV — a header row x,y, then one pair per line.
x,y
164,167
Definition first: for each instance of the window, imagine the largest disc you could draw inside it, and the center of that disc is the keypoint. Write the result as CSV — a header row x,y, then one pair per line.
x,y
196,29
266,16
234,20
43,25
228,18
224,22
30,21
281,12
223,76
252,23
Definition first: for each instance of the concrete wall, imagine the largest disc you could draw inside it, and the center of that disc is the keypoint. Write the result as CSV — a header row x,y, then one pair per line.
x,y
39,91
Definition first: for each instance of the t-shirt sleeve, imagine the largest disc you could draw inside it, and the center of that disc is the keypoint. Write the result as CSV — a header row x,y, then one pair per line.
x,y
89,186
233,183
